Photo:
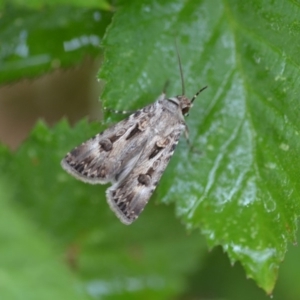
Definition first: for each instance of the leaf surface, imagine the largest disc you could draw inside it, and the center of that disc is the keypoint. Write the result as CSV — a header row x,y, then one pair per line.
x,y
242,190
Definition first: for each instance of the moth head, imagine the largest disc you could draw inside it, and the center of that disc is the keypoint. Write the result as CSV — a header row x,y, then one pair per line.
x,y
187,103
184,104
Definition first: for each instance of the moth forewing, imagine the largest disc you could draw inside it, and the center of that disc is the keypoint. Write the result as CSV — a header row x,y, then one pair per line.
x,y
97,160
128,197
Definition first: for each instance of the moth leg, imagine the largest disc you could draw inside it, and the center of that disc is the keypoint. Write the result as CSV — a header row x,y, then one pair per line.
x,y
192,148
186,135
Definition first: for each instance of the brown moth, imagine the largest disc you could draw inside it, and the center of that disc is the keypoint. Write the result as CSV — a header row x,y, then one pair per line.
x,y
132,154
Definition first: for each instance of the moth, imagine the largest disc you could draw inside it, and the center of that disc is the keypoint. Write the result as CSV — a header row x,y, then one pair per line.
x,y
133,154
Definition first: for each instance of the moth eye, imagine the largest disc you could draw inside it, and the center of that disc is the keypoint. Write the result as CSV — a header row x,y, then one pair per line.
x,y
185,111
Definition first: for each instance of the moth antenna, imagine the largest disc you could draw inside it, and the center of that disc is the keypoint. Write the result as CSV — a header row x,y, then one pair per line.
x,y
196,95
180,69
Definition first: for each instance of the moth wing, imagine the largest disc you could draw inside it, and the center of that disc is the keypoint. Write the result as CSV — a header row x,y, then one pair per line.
x,y
128,197
102,158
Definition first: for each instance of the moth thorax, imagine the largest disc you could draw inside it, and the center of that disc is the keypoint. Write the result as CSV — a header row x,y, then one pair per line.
x,y
183,103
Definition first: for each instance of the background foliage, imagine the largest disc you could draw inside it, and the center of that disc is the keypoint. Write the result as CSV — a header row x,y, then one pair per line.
x,y
57,235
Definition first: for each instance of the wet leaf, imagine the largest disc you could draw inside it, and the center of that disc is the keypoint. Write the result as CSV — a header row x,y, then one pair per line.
x,y
242,190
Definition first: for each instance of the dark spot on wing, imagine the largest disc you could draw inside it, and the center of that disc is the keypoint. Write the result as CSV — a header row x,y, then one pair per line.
x,y
137,113
133,132
130,197
144,179
155,151
147,109
106,145
123,206
79,168
75,152
114,138
150,171
173,147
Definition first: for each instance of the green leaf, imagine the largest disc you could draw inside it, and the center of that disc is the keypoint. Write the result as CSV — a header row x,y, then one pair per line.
x,y
33,42
243,189
102,4
30,263
147,260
